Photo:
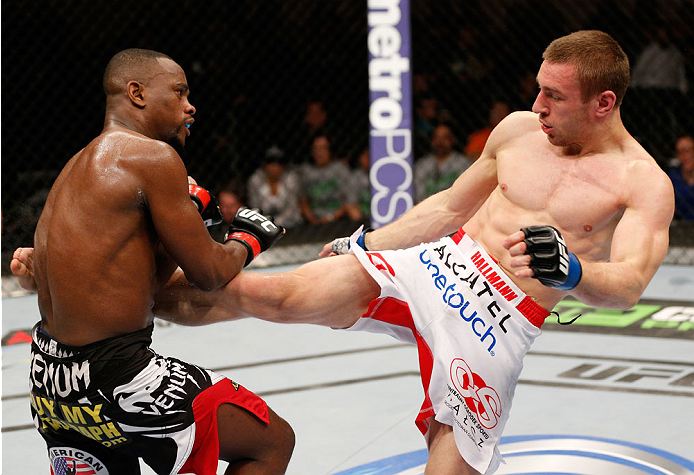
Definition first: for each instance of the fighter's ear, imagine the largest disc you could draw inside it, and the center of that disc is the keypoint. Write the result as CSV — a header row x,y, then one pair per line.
x,y
136,93
606,101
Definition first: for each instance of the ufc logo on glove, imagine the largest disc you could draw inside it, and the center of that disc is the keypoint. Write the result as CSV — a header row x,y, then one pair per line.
x,y
253,215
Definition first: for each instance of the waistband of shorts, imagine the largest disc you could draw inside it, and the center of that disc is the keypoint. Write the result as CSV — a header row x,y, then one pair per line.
x,y
527,306
52,347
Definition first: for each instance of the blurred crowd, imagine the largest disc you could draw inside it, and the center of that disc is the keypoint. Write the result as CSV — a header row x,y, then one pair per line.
x,y
281,90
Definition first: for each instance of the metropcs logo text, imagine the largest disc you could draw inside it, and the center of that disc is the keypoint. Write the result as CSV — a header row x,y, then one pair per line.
x,y
390,111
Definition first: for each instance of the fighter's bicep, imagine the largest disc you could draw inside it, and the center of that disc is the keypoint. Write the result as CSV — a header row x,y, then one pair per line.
x,y
642,234
174,216
473,186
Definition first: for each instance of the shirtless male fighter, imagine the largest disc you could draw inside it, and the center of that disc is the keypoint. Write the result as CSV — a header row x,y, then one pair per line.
x,y
593,208
118,221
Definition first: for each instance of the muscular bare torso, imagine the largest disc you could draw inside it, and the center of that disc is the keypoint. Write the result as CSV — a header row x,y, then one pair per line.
x,y
584,197
96,260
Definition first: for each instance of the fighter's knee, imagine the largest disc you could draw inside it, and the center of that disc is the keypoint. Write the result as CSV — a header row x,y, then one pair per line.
x,y
285,438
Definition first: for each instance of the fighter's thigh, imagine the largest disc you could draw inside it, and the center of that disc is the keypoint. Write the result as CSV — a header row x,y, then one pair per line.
x,y
243,436
444,457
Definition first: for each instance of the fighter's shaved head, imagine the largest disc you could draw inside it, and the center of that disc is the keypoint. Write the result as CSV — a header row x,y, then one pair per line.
x,y
132,64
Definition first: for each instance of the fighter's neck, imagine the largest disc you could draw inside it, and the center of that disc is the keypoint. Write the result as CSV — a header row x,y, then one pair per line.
x,y
604,138
114,121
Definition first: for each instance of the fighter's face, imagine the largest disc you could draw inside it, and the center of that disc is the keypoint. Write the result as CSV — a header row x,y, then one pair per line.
x,y
564,117
170,110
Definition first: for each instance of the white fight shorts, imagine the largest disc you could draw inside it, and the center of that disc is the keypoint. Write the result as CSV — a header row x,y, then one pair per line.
x,y
472,326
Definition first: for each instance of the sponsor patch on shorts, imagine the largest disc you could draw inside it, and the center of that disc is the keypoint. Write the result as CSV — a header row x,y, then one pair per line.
x,y
70,461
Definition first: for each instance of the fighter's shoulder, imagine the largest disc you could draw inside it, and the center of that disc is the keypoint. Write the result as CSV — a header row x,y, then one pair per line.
x,y
647,178
641,164
137,147
519,122
514,126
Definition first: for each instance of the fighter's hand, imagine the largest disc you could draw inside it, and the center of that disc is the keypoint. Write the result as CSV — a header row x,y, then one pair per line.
x,y
520,261
540,252
341,245
22,267
336,247
254,230
327,251
207,206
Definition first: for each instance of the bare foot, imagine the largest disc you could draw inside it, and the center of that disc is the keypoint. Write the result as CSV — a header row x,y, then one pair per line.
x,y
22,267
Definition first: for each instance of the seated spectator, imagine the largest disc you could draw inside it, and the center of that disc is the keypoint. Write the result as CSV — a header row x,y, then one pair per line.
x,y
360,210
425,120
314,124
658,92
275,189
325,185
682,178
661,64
439,169
476,140
229,199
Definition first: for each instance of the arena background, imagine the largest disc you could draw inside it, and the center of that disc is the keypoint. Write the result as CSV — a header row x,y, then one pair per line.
x,y
253,66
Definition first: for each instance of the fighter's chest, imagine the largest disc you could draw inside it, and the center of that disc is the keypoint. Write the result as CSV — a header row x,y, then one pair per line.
x,y
583,190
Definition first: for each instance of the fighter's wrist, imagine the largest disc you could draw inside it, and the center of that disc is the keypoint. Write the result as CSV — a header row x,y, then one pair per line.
x,y
249,241
361,240
574,274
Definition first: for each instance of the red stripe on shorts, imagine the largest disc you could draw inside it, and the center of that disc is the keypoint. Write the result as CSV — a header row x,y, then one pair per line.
x,y
203,459
396,312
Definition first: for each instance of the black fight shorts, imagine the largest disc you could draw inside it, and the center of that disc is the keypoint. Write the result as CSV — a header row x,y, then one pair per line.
x,y
101,406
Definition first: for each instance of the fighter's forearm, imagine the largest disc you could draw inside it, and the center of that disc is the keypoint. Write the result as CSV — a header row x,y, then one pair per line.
x,y
440,214
611,285
427,221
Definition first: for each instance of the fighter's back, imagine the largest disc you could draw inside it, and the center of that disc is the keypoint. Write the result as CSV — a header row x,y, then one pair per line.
x,y
95,262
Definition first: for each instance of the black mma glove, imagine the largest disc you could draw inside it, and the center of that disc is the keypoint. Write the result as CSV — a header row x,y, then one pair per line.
x,y
207,207
254,230
550,260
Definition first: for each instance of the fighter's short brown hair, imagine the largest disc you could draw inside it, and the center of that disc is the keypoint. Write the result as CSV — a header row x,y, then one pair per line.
x,y
600,62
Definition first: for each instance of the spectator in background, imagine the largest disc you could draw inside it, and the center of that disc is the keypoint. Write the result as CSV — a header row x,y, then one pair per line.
x,y
660,65
361,189
659,90
275,189
426,119
477,139
314,124
325,185
315,118
229,199
682,177
525,93
439,169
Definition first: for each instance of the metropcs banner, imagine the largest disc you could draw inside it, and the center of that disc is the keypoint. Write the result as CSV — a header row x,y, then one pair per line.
x,y
390,110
